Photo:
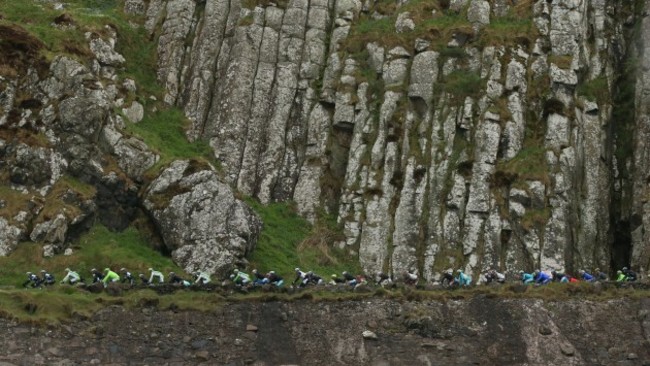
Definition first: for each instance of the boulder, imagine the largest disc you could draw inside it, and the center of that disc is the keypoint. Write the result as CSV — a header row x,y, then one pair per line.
x,y
52,231
104,51
134,113
404,23
201,222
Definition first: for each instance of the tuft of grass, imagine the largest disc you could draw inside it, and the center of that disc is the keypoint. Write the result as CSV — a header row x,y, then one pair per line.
x,y
535,218
99,248
561,61
596,90
529,164
463,83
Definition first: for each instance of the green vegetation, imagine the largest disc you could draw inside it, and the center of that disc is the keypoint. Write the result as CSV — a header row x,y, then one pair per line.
x,y
99,248
288,241
535,218
596,90
164,132
53,306
529,164
462,83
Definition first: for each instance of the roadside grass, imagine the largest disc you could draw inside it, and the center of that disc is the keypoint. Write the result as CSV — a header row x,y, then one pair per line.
x,y
53,306
99,248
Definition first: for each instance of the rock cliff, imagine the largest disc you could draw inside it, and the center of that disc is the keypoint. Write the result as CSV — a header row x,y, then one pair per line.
x,y
449,133
464,133
370,332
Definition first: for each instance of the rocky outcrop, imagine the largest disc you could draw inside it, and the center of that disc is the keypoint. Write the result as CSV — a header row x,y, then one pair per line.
x,y
58,134
382,332
202,223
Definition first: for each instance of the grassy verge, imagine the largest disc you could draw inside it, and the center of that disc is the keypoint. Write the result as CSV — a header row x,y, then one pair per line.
x,y
99,248
62,304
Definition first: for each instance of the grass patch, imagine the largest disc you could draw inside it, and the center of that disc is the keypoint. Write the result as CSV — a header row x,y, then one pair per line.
x,y
596,90
15,202
288,241
507,31
99,248
462,83
164,132
528,164
563,61
535,218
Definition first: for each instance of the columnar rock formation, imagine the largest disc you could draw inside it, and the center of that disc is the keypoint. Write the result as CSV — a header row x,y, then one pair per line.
x,y
479,135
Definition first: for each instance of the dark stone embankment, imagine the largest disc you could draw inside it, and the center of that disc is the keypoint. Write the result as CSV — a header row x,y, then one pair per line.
x,y
478,331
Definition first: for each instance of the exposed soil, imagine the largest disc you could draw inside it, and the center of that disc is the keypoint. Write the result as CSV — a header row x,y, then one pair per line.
x,y
19,50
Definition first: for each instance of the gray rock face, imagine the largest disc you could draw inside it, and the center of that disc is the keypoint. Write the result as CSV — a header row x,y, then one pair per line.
x,y
422,166
9,237
136,7
202,223
52,231
105,53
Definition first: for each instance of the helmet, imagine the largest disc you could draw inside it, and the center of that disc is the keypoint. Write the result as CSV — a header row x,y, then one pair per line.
x,y
272,272
334,276
232,276
582,271
150,269
459,271
43,271
28,273
254,271
597,270
106,269
625,268
93,270
619,272
521,272
236,270
140,275
345,272
171,273
297,269
122,269
67,270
